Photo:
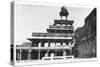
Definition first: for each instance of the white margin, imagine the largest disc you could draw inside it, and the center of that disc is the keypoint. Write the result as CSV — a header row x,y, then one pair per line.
x,y
41,61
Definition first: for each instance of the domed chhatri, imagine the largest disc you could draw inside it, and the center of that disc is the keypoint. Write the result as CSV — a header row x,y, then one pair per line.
x,y
64,12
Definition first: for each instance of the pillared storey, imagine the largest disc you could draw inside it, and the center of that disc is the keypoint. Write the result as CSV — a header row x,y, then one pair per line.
x,y
56,44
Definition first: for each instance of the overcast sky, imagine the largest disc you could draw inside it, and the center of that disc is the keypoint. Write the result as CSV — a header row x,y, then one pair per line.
x,y
37,18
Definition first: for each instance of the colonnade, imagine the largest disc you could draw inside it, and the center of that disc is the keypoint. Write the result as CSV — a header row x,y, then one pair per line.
x,y
49,44
48,53
39,53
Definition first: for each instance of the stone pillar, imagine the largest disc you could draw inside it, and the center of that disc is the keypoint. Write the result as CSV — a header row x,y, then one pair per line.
x,y
70,44
47,54
39,44
70,51
29,54
39,54
64,44
55,52
52,54
46,44
64,53
52,44
20,53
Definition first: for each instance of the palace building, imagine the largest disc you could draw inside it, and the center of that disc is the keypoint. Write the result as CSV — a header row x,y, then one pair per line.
x,y
56,44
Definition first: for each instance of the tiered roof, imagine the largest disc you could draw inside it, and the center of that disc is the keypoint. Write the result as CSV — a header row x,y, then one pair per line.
x,y
61,28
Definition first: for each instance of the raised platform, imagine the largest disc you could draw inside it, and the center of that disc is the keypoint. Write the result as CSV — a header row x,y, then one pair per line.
x,y
38,62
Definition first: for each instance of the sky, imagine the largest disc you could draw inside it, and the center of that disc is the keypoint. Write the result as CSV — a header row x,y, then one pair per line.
x,y
37,18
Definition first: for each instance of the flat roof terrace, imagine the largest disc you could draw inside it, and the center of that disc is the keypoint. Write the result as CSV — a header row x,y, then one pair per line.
x,y
52,35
